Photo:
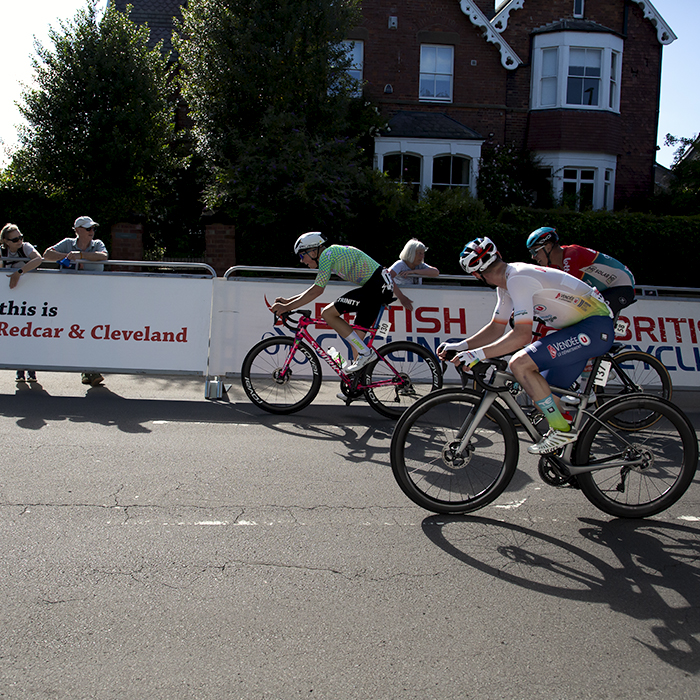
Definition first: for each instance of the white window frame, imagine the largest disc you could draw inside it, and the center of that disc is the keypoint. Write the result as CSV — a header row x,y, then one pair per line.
x,y
452,185
430,69
564,42
604,166
355,49
428,150
578,9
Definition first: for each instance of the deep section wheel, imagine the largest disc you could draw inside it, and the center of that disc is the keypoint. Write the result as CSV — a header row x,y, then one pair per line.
x,y
417,373
649,470
635,372
278,381
435,470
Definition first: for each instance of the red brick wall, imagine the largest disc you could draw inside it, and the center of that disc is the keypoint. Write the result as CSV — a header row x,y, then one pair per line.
x,y
127,242
490,99
220,241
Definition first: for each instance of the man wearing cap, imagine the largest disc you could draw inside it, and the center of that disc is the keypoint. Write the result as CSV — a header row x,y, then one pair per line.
x,y
83,247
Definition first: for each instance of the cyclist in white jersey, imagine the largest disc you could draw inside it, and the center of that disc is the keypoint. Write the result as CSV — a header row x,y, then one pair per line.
x,y
583,319
375,289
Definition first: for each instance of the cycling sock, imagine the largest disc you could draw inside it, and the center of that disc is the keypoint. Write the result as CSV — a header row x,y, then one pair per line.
x,y
553,414
357,343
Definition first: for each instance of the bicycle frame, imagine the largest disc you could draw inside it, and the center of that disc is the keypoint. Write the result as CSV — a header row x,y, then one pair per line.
x,y
501,381
352,381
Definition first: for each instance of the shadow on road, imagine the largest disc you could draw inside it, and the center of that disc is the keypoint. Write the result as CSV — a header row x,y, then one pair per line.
x,y
648,570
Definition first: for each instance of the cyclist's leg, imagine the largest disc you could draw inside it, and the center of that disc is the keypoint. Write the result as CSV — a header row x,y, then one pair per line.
x,y
366,302
559,358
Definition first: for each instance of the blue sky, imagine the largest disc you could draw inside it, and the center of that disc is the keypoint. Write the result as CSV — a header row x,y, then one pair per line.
x,y
23,20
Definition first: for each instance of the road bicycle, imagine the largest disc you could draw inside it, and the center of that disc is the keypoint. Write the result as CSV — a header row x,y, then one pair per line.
x,y
283,374
456,450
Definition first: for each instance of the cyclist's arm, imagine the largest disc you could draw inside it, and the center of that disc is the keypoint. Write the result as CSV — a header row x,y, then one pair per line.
x,y
405,301
298,301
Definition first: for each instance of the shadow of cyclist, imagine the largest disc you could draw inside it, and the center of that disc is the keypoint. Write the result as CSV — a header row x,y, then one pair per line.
x,y
651,571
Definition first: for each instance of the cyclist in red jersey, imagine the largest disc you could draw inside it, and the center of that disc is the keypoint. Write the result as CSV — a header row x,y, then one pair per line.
x,y
610,277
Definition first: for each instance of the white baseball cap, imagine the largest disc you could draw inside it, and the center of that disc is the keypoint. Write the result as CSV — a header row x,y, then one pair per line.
x,y
84,222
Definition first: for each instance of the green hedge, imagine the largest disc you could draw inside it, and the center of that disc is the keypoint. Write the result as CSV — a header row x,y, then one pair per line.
x,y
660,250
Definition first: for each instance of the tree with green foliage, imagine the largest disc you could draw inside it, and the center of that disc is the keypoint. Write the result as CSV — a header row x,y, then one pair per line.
x,y
684,187
100,119
278,120
510,176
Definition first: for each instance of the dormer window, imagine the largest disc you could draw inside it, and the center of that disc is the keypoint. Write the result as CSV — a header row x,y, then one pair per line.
x,y
578,9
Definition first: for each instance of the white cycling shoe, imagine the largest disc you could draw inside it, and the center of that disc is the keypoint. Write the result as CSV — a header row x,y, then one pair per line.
x,y
359,363
553,441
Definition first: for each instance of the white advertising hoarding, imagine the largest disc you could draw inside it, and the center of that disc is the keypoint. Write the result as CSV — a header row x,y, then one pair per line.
x,y
108,322
668,329
123,322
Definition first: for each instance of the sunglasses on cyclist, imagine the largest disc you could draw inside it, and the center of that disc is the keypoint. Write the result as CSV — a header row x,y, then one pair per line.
x,y
535,251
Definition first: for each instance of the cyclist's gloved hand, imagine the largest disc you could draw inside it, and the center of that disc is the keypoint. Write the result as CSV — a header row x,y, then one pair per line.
x,y
471,357
451,348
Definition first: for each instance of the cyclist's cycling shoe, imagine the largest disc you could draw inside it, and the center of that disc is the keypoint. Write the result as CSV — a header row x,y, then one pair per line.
x,y
554,440
350,398
359,363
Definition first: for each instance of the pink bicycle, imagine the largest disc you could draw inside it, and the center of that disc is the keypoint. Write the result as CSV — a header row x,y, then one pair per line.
x,y
282,374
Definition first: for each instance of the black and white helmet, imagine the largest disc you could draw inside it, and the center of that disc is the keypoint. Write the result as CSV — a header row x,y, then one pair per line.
x,y
478,255
308,241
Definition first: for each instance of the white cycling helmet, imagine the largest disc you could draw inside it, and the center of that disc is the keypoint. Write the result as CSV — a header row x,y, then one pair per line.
x,y
307,241
478,255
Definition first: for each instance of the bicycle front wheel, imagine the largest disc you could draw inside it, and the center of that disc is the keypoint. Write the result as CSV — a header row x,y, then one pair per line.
x,y
635,372
659,461
417,374
278,383
429,464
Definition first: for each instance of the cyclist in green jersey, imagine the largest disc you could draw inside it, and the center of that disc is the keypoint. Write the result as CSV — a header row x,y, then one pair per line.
x,y
375,288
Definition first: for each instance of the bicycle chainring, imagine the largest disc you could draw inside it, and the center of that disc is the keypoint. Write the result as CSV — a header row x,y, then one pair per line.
x,y
551,474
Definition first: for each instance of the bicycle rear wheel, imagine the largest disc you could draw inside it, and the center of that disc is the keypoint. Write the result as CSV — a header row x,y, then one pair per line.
x,y
635,372
274,389
665,456
425,455
418,370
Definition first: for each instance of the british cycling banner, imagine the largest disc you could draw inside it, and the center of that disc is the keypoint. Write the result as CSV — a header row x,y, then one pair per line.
x,y
668,329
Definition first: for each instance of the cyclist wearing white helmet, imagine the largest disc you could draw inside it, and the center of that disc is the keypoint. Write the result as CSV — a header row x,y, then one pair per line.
x,y
610,277
375,289
578,312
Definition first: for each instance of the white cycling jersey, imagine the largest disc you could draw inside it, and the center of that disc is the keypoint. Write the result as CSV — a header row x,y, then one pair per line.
x,y
554,297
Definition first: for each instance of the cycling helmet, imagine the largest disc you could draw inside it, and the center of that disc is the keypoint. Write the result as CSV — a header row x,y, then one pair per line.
x,y
307,241
478,255
543,235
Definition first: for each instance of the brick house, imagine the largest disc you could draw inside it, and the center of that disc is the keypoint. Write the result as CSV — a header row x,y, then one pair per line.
x,y
575,81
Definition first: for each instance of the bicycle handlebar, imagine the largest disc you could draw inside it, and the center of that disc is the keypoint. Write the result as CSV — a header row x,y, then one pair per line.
x,y
479,370
287,321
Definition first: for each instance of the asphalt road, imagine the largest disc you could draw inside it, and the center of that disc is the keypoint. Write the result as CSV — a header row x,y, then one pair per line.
x,y
159,545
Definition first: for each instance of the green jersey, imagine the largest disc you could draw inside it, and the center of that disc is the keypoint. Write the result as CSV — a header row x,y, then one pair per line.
x,y
347,262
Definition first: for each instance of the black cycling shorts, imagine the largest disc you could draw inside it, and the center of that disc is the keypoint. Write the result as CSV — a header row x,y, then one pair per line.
x,y
365,301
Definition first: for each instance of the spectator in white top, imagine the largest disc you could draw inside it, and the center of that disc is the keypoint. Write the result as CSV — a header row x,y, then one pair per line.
x,y
14,249
410,268
14,252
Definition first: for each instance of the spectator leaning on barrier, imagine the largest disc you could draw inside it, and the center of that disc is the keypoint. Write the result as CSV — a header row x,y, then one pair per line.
x,y
410,269
83,247
14,249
